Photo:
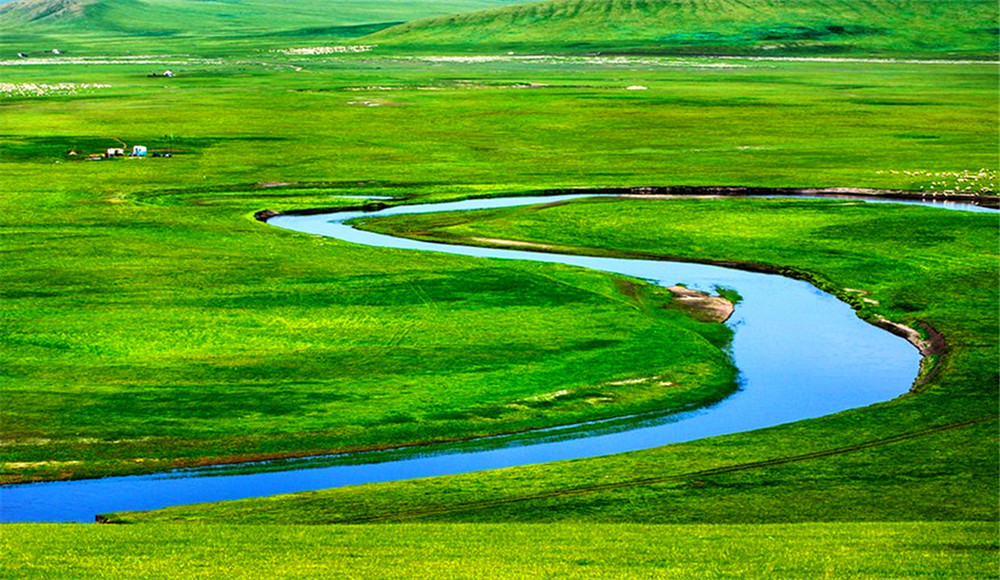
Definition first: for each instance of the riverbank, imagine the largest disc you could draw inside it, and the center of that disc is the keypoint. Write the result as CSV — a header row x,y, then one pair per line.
x,y
893,460
882,369
924,337
582,334
880,249
92,334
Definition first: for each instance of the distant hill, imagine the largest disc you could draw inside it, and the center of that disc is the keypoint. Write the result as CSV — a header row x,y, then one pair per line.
x,y
942,28
153,24
27,11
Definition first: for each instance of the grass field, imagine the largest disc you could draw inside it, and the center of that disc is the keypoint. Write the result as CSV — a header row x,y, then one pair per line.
x,y
121,328
888,462
887,28
862,551
150,321
312,348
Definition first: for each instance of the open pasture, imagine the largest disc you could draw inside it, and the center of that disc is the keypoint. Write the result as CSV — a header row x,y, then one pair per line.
x,y
131,336
150,321
862,551
888,462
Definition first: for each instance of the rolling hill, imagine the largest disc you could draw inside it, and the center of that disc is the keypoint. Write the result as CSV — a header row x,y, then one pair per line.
x,y
941,28
928,29
154,25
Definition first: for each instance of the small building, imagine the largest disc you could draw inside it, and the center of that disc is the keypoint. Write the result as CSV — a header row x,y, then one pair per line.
x,y
115,152
139,151
168,73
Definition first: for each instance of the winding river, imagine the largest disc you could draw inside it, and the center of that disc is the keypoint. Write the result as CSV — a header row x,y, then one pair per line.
x,y
801,354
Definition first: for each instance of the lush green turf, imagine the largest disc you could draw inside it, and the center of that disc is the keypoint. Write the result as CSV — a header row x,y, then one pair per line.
x,y
150,321
919,265
283,333
748,123
948,28
299,345
884,550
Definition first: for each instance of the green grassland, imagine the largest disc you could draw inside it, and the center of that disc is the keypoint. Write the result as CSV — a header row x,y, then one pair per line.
x,y
895,28
150,321
863,551
101,257
888,462
949,28
372,124
294,345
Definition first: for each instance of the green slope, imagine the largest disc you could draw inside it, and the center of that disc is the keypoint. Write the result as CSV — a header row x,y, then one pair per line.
x,y
151,25
891,27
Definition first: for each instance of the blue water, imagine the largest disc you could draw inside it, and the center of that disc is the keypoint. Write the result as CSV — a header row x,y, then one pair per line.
x,y
801,354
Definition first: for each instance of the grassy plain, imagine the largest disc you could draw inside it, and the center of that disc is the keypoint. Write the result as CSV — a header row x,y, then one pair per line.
x,y
367,123
888,462
149,321
102,256
862,551
295,345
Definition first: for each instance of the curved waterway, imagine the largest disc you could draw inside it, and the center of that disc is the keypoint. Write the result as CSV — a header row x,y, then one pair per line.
x,y
801,354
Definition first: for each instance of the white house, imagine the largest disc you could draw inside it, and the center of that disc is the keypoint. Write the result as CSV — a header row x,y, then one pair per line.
x,y
115,152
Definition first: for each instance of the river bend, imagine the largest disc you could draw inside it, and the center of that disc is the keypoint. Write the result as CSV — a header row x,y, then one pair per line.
x,y
801,354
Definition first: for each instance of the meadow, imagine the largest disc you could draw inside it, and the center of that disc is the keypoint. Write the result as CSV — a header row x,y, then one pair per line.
x,y
883,550
150,321
892,461
229,372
